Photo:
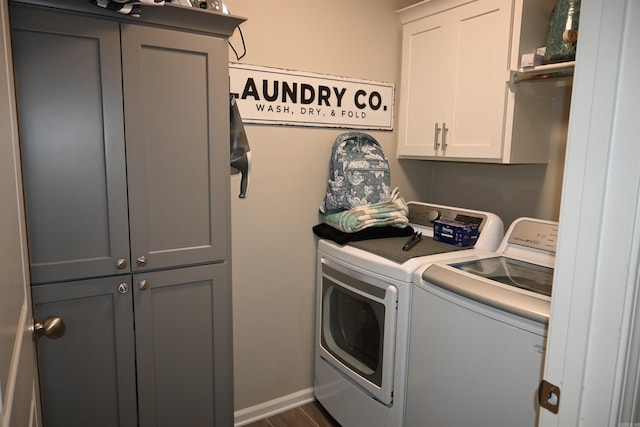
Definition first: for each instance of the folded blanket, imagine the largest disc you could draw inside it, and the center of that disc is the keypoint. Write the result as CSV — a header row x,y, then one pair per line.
x,y
325,231
392,212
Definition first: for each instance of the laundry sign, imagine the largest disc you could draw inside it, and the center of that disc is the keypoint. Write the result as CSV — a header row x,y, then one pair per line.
x,y
275,96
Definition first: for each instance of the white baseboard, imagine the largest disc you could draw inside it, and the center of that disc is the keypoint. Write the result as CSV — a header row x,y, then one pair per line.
x,y
272,407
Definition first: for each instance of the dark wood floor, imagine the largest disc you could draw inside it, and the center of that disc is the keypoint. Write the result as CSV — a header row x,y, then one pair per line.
x,y
309,415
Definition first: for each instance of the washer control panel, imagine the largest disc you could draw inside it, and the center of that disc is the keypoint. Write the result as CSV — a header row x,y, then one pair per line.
x,y
536,234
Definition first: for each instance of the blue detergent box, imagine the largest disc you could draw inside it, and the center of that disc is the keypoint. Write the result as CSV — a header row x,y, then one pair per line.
x,y
455,232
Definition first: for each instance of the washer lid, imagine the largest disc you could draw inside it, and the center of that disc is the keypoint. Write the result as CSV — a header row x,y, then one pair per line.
x,y
512,272
524,303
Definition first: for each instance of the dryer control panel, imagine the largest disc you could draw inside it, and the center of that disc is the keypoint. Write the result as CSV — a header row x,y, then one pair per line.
x,y
424,214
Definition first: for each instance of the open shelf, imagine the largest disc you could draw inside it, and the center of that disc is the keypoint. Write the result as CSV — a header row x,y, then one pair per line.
x,y
540,72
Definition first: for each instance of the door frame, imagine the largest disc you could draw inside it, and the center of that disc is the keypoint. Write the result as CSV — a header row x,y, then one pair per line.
x,y
19,385
596,276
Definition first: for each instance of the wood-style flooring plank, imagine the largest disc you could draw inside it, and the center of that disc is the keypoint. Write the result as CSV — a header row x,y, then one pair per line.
x,y
293,418
309,415
318,414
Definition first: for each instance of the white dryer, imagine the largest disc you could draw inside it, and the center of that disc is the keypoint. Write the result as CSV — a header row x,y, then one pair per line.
x,y
478,333
362,314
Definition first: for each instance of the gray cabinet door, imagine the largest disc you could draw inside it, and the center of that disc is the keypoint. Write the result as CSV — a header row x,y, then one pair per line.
x,y
88,375
177,138
68,79
183,347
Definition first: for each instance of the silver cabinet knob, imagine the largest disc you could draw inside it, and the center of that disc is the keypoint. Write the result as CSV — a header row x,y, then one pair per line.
x,y
141,261
121,263
123,288
143,285
52,327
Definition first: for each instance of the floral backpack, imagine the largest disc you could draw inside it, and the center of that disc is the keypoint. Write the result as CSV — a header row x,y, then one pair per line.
x,y
359,173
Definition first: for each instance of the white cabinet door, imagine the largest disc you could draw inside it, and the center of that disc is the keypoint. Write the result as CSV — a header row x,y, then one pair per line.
x,y
454,92
425,97
479,72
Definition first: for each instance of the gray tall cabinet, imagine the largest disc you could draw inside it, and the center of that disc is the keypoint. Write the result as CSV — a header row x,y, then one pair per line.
x,y
124,127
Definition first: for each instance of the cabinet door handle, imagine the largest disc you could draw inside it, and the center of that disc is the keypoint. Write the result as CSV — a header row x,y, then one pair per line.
x,y
436,133
141,261
143,285
121,263
444,136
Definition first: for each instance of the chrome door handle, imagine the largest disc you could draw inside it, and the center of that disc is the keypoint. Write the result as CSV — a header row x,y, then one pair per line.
x,y
52,327
121,263
436,133
141,261
143,285
444,136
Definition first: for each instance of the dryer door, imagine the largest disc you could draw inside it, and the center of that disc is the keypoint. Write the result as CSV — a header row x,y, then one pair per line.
x,y
358,329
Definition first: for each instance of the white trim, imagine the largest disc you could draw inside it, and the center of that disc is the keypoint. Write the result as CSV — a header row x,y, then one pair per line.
x,y
273,407
6,403
598,241
624,399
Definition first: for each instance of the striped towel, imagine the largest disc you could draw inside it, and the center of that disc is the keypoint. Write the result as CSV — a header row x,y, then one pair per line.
x,y
126,7
393,213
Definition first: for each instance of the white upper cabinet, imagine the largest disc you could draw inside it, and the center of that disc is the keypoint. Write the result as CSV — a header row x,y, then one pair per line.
x,y
456,99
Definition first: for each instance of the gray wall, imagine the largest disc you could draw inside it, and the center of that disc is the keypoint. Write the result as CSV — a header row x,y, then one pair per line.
x,y
273,245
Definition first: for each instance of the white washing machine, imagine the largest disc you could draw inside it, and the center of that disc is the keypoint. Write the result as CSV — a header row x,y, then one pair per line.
x,y
362,314
478,333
